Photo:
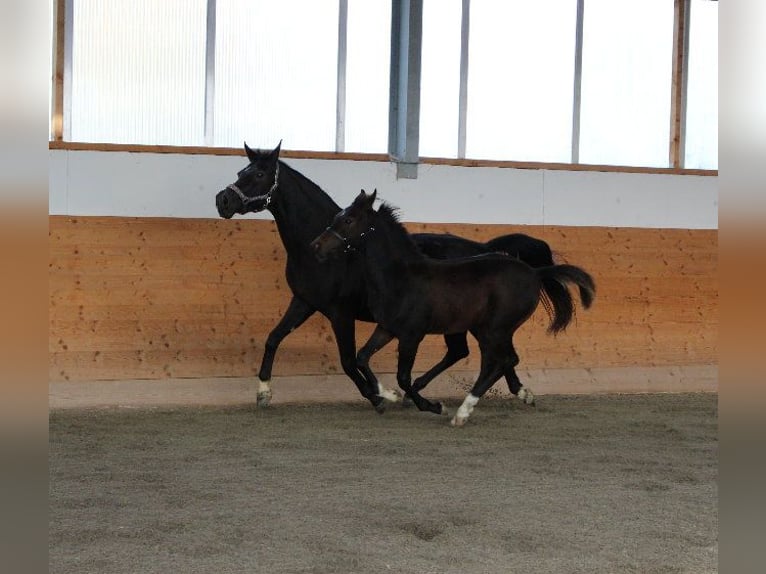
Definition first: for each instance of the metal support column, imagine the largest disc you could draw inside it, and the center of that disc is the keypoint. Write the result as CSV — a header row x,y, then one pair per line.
x,y
404,106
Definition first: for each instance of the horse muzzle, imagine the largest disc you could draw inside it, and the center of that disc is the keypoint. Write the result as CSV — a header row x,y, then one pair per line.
x,y
227,203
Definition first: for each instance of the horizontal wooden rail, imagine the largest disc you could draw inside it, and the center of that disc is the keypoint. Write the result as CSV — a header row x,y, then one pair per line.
x,y
301,154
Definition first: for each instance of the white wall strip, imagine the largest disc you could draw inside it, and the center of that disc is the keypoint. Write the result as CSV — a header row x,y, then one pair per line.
x,y
175,185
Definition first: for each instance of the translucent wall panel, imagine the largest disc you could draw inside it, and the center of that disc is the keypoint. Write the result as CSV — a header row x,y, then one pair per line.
x,y
626,81
138,71
440,78
276,73
368,61
520,78
702,95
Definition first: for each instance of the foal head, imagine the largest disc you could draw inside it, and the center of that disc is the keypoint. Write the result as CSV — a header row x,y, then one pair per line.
x,y
254,186
348,227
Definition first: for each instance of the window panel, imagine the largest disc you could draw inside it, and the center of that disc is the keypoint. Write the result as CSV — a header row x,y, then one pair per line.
x,y
626,82
138,71
276,73
440,78
702,96
520,80
368,61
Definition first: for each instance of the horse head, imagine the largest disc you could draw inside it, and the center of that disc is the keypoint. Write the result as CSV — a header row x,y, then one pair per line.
x,y
348,227
252,190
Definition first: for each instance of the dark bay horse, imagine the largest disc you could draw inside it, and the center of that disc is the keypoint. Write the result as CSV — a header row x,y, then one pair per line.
x,y
411,295
336,289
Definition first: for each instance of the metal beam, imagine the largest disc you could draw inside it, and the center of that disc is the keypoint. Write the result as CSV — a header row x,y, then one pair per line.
x,y
404,101
210,74
576,99
462,125
340,100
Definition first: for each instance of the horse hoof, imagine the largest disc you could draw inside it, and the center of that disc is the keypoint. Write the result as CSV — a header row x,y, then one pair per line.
x,y
263,399
407,401
389,395
457,421
380,407
527,397
444,410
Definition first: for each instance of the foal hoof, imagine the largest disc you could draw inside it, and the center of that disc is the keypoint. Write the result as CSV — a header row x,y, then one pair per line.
x,y
389,395
527,397
439,409
457,421
379,406
263,399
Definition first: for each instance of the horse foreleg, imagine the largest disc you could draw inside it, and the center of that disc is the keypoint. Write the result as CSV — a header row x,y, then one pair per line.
x,y
297,313
343,327
379,339
407,352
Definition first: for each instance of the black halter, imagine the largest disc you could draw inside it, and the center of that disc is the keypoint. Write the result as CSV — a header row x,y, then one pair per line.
x,y
347,245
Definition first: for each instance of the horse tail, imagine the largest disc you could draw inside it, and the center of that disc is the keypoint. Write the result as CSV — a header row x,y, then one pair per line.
x,y
555,294
532,251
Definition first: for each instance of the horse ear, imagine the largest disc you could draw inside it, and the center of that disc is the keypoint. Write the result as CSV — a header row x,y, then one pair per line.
x,y
372,196
274,155
360,199
251,155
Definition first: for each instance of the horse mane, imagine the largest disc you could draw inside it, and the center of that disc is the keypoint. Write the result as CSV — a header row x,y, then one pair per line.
x,y
391,214
391,211
316,193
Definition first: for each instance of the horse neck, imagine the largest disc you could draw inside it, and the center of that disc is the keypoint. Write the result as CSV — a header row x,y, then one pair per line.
x,y
300,208
389,251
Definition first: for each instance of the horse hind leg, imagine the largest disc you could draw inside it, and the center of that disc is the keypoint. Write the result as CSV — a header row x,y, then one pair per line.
x,y
515,386
491,371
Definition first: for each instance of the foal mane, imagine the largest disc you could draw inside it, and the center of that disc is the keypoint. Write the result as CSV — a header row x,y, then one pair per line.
x,y
390,215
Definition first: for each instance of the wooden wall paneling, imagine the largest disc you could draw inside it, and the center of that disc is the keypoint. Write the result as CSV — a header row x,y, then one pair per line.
x,y
158,298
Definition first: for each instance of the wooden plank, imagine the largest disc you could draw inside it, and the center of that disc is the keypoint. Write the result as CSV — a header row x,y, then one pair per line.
x,y
347,156
159,298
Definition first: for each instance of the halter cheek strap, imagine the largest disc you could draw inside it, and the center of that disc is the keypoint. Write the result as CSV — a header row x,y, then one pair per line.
x,y
266,196
347,246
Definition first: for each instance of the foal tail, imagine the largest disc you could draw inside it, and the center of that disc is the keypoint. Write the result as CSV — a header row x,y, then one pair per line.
x,y
556,297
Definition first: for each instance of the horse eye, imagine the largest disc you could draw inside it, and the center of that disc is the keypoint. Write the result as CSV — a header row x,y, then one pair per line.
x,y
259,175
348,221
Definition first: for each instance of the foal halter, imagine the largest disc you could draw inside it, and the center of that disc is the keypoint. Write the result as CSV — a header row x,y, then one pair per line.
x,y
266,196
347,246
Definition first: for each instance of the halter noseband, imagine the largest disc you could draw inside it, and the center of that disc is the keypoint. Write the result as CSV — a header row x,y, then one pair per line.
x,y
267,196
347,246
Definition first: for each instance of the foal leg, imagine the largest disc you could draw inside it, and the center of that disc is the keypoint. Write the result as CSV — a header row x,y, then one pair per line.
x,y
457,349
297,313
491,371
514,384
379,339
407,352
343,327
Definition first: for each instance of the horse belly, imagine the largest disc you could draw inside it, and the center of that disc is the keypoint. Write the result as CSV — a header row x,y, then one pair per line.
x,y
453,312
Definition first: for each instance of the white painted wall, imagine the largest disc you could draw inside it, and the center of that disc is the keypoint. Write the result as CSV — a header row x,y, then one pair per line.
x,y
175,185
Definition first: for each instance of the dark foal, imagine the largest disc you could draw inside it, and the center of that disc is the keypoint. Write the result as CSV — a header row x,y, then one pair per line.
x,y
411,295
302,210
